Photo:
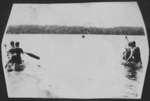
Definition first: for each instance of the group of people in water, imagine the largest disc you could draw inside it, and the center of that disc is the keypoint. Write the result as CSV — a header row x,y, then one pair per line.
x,y
14,57
131,57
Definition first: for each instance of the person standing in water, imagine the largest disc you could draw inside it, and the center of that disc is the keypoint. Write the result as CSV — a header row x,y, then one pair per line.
x,y
14,55
132,54
11,52
135,55
18,52
11,56
132,57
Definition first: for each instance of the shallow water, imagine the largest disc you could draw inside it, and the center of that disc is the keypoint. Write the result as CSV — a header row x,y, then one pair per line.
x,y
76,67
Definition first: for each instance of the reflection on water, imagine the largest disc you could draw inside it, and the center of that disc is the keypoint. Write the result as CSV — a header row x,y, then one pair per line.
x,y
133,80
132,72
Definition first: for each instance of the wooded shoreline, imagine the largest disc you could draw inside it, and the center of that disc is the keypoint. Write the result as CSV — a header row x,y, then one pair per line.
x,y
55,29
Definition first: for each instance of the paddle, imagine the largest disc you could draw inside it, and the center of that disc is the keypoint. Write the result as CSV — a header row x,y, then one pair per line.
x,y
29,54
32,55
127,38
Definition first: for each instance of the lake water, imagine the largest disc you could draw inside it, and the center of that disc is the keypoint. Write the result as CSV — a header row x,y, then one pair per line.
x,y
74,67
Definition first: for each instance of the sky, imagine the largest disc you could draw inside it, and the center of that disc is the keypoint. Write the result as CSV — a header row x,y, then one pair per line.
x,y
104,14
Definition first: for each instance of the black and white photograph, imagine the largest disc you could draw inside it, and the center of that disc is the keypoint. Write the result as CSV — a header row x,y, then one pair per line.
x,y
75,50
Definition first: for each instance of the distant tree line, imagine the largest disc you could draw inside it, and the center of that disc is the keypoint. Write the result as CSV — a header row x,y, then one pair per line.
x,y
55,29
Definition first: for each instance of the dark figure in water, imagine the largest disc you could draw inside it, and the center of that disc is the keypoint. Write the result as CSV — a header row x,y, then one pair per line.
x,y
132,59
15,59
11,51
18,60
135,56
11,56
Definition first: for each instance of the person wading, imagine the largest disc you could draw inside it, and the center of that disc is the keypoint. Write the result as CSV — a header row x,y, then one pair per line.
x,y
132,54
14,56
18,61
132,60
11,56
135,56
